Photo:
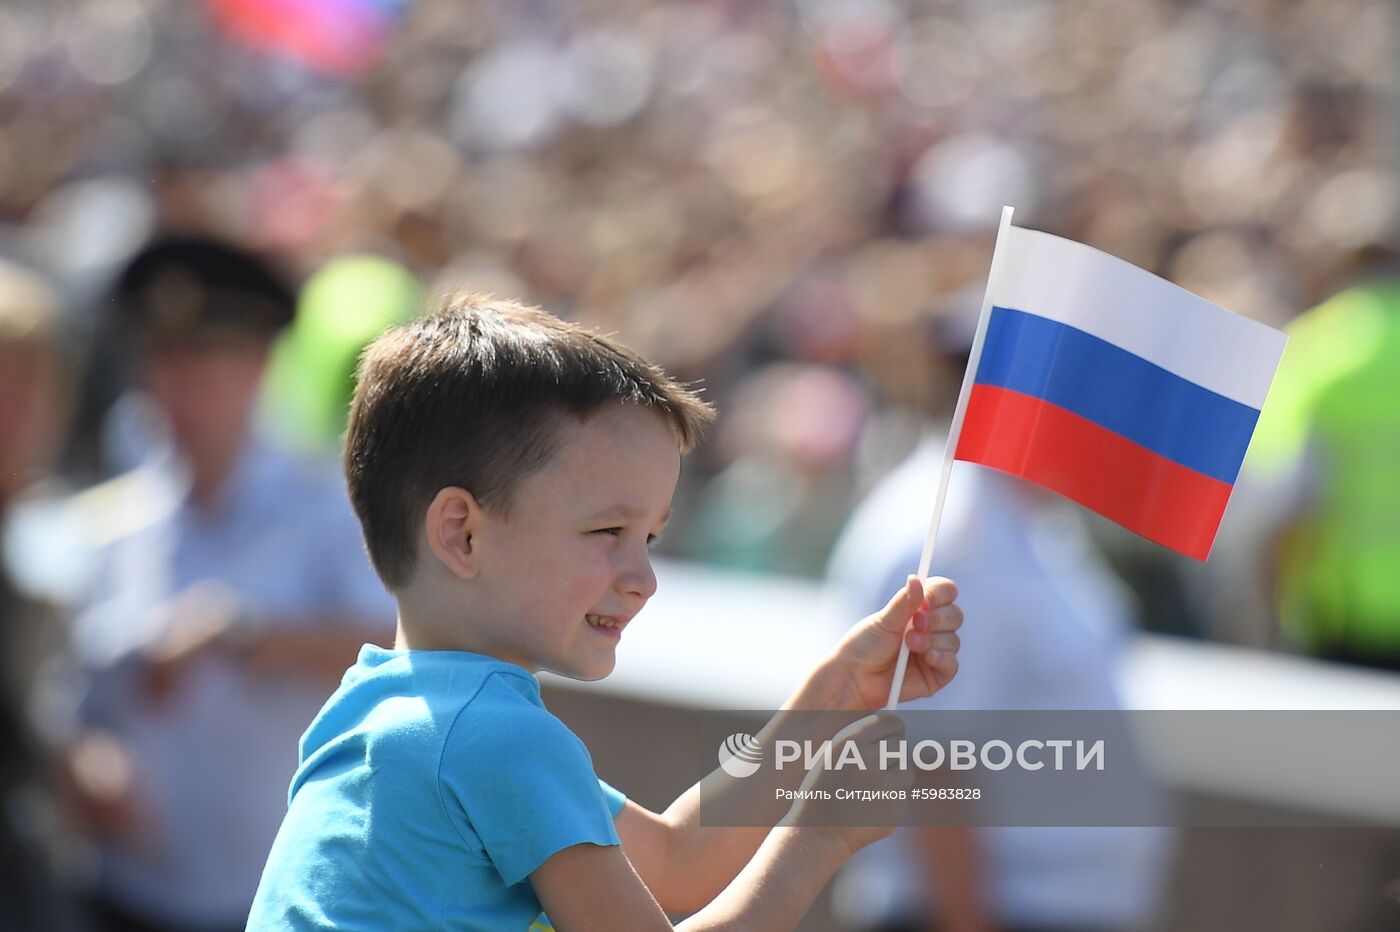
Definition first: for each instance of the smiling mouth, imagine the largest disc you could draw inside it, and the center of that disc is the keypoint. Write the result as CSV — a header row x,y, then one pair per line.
x,y
602,621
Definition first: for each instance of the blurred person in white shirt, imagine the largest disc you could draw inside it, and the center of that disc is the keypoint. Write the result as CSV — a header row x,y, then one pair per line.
x,y
1045,621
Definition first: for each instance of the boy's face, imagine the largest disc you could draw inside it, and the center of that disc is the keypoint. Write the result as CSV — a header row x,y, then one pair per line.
x,y
568,569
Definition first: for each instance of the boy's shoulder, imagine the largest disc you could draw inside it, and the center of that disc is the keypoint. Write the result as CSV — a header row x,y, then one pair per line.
x,y
454,701
504,725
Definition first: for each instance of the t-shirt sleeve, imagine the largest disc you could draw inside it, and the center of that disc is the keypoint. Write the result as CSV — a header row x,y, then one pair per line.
x,y
614,797
524,785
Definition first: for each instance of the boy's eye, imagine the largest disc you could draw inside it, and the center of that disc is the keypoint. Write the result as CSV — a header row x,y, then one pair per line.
x,y
618,532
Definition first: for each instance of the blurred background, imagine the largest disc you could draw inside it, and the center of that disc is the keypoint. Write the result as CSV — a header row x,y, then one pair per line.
x,y
791,203
781,199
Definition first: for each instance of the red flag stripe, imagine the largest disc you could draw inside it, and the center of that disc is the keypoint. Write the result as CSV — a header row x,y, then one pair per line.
x,y
1121,480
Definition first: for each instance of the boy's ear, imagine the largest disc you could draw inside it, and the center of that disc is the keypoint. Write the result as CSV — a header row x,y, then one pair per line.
x,y
453,520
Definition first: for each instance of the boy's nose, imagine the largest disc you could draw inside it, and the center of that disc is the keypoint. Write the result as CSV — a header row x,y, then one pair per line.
x,y
638,580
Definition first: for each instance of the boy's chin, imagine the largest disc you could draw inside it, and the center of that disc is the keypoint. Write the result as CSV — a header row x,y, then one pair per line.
x,y
587,673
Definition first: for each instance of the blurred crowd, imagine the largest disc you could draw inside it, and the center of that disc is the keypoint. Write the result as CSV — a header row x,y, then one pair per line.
x,y
791,202
782,199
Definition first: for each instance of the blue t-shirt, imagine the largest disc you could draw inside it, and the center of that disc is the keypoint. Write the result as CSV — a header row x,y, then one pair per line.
x,y
431,785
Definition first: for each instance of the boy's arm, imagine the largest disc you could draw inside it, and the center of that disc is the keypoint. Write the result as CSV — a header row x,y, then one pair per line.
x,y
587,887
686,864
590,887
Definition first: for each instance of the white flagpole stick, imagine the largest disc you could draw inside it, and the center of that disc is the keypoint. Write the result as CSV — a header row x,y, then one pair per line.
x,y
954,432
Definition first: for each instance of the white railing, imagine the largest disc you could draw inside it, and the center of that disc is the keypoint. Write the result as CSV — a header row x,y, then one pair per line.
x,y
719,639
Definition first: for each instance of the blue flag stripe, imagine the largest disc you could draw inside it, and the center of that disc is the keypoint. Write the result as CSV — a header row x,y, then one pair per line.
x,y
1118,391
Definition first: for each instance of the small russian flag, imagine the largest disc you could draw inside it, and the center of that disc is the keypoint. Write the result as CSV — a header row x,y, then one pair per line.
x,y
1115,388
341,37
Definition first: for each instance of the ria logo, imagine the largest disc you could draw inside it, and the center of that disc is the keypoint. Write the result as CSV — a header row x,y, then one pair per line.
x,y
740,755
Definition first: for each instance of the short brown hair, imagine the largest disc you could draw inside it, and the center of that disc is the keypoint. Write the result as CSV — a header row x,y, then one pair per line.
x,y
470,396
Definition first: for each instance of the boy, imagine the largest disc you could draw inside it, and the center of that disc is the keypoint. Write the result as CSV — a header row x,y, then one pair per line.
x,y
510,471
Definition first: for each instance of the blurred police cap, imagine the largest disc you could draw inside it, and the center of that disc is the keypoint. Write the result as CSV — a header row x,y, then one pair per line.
x,y
190,287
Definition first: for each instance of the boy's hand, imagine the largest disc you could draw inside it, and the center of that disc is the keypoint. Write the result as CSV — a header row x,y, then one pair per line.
x,y
860,820
860,668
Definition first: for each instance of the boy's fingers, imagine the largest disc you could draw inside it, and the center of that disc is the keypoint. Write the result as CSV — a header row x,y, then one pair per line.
x,y
882,725
922,642
897,612
873,727
945,618
940,590
943,664
945,642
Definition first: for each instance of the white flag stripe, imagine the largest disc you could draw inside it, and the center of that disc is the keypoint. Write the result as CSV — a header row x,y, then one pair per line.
x,y
1133,309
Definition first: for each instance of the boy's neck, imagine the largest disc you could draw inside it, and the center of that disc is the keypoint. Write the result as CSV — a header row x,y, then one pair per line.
x,y
409,637
418,629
